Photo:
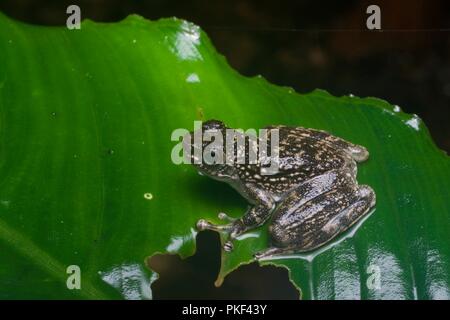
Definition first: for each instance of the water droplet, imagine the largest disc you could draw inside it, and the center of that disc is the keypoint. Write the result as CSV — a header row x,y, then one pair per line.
x,y
414,122
134,41
193,78
177,242
248,235
388,111
148,196
397,108
187,42
131,280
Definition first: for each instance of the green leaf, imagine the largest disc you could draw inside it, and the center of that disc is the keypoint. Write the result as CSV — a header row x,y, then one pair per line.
x,y
86,176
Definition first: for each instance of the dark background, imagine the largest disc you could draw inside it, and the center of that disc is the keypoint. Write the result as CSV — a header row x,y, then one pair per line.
x,y
306,45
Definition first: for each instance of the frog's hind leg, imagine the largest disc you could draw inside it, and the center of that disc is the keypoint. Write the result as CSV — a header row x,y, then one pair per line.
x,y
327,216
273,251
358,208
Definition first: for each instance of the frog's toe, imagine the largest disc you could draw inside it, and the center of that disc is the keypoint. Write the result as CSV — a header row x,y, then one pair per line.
x,y
270,252
228,246
266,253
202,224
259,255
225,217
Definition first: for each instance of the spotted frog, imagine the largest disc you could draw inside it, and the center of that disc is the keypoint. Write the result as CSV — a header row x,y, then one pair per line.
x,y
312,198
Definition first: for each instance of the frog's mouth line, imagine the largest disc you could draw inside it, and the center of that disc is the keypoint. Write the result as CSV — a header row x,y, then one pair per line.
x,y
219,172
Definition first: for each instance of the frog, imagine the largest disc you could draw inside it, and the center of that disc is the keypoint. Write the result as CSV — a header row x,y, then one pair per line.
x,y
311,199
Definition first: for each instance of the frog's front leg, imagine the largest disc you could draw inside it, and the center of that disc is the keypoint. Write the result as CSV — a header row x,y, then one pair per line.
x,y
254,217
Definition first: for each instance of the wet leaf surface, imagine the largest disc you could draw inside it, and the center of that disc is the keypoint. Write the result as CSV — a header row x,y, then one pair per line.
x,y
86,176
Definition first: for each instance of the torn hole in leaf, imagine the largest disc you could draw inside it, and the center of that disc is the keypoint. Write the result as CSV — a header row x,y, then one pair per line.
x,y
193,277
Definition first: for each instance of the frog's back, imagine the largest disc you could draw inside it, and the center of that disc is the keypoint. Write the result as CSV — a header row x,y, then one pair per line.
x,y
299,141
304,154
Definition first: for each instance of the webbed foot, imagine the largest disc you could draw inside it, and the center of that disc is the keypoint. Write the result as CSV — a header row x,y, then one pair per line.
x,y
232,229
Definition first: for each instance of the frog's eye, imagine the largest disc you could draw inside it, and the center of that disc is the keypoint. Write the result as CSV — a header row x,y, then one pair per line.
x,y
213,153
213,124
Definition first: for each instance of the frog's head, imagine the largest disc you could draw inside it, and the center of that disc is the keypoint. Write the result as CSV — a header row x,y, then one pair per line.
x,y
207,150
